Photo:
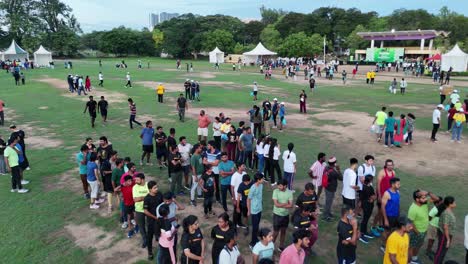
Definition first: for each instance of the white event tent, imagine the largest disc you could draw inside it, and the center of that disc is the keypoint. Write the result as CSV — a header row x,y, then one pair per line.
x,y
14,52
456,58
258,51
216,56
42,57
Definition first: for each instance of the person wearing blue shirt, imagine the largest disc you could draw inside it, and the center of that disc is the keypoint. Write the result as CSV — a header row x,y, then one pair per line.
x,y
82,159
254,206
389,128
146,136
226,169
92,176
282,112
212,157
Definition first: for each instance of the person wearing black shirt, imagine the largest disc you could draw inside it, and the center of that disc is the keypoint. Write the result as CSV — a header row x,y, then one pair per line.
x,y
3,170
104,150
306,218
181,106
192,243
150,203
106,171
20,133
347,236
207,183
334,175
171,144
308,197
367,197
223,229
175,169
102,108
91,105
241,204
161,151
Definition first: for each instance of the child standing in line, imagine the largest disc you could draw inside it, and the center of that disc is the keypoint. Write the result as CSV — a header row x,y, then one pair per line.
x,y
129,204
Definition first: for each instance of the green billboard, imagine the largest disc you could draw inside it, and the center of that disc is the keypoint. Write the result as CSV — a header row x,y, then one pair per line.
x,y
384,54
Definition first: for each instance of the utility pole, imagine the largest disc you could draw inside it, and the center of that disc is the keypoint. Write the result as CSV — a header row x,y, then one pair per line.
x,y
324,44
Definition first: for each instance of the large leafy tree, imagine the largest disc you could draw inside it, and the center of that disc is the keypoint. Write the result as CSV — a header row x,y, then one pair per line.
x,y
270,37
353,41
296,45
218,38
270,15
252,31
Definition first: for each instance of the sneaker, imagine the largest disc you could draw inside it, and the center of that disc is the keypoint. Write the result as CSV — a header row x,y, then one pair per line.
x,y
28,168
124,225
193,203
242,226
24,182
375,232
130,233
136,229
273,184
23,190
380,229
367,235
382,248
143,245
187,188
98,201
150,257
94,206
149,164
13,190
133,222
170,179
364,240
385,146
415,261
452,140
200,197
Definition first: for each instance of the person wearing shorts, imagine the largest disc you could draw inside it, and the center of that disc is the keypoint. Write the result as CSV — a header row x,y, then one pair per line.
x,y
379,123
282,201
146,136
390,208
203,123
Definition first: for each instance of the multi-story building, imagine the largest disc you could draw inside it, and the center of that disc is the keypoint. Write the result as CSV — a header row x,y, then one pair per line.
x,y
155,19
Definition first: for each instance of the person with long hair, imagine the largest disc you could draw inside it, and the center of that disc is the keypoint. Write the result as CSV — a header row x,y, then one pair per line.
x,y
273,155
289,165
266,158
166,232
257,122
192,242
258,158
264,248
217,132
400,131
219,233
87,84
410,120
446,228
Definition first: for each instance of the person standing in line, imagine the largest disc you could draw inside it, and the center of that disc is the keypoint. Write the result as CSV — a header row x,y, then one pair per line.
x,y
226,169
217,132
255,207
197,169
367,168
133,112
81,85
146,136
383,184
403,85
418,213
289,166
367,199
139,192
11,157
295,253
181,106
185,149
207,184
2,115
246,144
175,170
160,139
91,106
150,203
372,77
275,111
212,157
303,102
389,128
225,228
102,108
92,176
160,92
457,128
316,172
348,235
236,180
101,79
203,123
106,177
192,241
334,175
282,113
446,228
390,209
129,82
436,121
396,250
282,202
350,184
82,159
3,145
264,248
230,253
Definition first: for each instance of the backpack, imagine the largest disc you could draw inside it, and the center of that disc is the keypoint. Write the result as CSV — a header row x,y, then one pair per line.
x,y
325,177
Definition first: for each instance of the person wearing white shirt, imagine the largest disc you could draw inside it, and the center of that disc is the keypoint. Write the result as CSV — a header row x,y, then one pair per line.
x,y
289,165
403,85
436,121
266,151
230,253
454,97
184,150
217,132
236,180
273,154
101,79
367,168
349,184
259,158
129,82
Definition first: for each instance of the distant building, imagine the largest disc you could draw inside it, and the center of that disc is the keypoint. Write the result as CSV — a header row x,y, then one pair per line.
x,y
155,19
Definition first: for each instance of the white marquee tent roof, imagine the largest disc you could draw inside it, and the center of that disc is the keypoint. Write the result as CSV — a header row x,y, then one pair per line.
x,y
216,51
42,51
259,51
455,58
14,49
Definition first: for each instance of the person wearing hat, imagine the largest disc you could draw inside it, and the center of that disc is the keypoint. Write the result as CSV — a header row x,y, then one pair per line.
x,y
396,250
458,120
160,91
334,175
454,97
129,82
436,121
274,111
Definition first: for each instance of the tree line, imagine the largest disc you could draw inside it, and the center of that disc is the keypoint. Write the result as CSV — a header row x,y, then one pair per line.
x,y
51,23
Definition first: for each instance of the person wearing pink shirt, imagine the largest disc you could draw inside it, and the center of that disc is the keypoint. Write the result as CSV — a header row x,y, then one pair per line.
x,y
131,171
203,123
295,253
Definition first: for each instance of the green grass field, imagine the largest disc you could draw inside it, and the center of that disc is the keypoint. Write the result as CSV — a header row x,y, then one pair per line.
x,y
32,225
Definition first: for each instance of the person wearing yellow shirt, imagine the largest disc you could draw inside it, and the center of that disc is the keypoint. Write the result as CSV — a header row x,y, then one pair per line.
x,y
372,77
160,91
458,120
396,249
368,75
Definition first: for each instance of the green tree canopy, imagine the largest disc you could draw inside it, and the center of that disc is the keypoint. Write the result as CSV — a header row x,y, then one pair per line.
x,y
218,38
270,37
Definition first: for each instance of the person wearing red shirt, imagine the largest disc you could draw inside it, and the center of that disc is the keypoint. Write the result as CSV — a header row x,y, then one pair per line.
x,y
131,172
88,84
451,112
383,184
129,205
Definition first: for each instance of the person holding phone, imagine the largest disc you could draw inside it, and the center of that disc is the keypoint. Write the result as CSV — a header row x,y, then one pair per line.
x,y
348,235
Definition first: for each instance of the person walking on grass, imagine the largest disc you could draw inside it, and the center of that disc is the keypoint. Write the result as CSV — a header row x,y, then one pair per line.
x,y
160,139
255,206
390,209
230,253
150,203
208,186
102,108
303,102
316,172
212,157
236,180
106,174
282,113
367,168
255,91
389,128
133,112
146,136
343,76
139,192
11,157
446,228
379,121
181,106
436,121
403,85
87,84
458,120
128,79
101,79
160,92
91,106
396,250
348,235
282,202
92,176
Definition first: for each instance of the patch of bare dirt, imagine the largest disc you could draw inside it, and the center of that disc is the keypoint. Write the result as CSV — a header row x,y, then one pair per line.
x,y
111,96
36,141
418,158
204,75
69,180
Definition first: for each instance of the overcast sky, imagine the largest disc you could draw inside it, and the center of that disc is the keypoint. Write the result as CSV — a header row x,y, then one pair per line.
x,y
106,14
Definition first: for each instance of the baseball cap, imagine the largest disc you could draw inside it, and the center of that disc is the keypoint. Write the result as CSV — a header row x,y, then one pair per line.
x,y
276,99
332,159
282,103
440,106
455,91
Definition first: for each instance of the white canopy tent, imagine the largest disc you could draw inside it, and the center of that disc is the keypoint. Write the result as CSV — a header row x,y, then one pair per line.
x,y
258,51
216,56
15,52
42,57
456,58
